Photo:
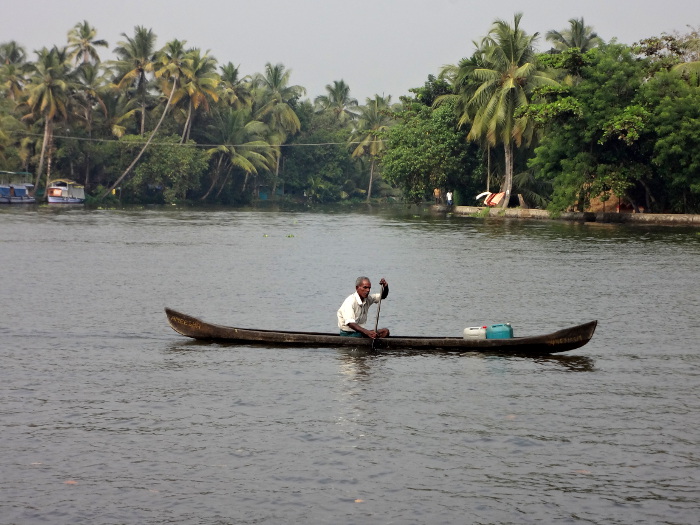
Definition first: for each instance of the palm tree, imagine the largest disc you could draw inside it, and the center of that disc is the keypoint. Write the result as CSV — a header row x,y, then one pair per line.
x,y
91,87
494,85
12,80
135,63
172,69
577,35
366,137
234,89
47,97
275,96
13,68
200,85
12,53
273,99
337,100
241,145
117,111
82,43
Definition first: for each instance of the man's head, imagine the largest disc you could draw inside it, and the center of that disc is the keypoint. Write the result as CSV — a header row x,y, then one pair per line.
x,y
363,286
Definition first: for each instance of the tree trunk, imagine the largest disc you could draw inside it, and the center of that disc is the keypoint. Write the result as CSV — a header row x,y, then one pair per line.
x,y
223,184
277,175
143,117
188,124
488,167
216,178
42,155
508,183
651,201
371,179
87,169
153,134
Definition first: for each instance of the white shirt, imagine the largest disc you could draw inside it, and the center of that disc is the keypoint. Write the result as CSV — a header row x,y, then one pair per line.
x,y
353,310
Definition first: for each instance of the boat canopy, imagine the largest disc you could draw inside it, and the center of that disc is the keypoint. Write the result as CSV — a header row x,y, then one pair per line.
x,y
65,182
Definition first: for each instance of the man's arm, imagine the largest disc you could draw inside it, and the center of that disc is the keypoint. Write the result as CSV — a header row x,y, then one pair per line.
x,y
385,288
367,333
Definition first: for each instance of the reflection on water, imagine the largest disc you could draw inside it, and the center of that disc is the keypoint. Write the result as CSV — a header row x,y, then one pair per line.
x,y
108,416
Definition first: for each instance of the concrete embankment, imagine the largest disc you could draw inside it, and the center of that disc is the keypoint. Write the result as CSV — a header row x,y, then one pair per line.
x,y
670,219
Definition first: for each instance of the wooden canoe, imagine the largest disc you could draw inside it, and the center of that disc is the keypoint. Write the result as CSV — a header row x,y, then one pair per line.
x,y
559,341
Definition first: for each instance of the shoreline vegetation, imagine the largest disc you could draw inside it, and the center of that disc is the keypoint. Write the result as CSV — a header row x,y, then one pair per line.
x,y
562,120
664,219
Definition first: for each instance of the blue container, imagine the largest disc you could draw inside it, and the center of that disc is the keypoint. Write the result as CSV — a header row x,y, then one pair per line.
x,y
499,331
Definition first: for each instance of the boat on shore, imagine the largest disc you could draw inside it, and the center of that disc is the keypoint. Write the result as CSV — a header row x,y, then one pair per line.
x,y
16,193
555,342
65,191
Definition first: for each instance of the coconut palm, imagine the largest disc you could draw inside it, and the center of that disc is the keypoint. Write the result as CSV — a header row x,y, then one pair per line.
x,y
135,61
577,35
90,89
13,68
117,111
199,85
12,53
494,86
12,80
235,90
241,145
171,70
91,86
47,97
366,137
337,100
82,43
273,99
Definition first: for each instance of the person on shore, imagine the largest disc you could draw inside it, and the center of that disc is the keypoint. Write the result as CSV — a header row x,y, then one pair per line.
x,y
352,314
449,198
437,195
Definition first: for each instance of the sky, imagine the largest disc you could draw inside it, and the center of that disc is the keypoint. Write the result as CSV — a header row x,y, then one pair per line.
x,y
380,47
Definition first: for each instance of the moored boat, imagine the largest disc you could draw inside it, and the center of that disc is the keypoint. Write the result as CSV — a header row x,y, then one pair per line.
x,y
16,193
559,341
64,191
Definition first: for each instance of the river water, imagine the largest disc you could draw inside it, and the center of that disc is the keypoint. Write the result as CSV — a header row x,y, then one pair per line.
x,y
108,416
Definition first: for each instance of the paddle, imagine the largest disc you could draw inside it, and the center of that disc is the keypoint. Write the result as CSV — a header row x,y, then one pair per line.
x,y
376,322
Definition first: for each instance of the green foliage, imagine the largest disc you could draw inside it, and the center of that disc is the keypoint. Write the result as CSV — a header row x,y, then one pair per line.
x,y
425,150
325,171
571,60
431,90
676,153
618,120
168,170
577,153
546,112
627,125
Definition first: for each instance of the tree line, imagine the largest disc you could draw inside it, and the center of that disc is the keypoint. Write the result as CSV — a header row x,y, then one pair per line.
x,y
585,120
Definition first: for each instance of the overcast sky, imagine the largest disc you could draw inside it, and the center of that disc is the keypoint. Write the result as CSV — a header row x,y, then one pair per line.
x,y
376,46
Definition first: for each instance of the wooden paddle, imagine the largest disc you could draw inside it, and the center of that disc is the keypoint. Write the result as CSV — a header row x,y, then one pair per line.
x,y
376,322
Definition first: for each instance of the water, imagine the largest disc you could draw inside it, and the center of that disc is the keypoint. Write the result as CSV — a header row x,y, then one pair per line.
x,y
108,416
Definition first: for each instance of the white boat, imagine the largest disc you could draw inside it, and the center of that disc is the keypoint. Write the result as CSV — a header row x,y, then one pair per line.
x,y
64,191
16,193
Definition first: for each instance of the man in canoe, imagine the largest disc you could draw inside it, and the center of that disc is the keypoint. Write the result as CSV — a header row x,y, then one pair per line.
x,y
352,314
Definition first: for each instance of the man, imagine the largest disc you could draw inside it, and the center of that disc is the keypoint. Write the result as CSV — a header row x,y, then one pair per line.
x,y
352,314
449,198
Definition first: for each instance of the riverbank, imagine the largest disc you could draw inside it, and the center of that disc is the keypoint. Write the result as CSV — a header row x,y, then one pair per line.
x,y
668,219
